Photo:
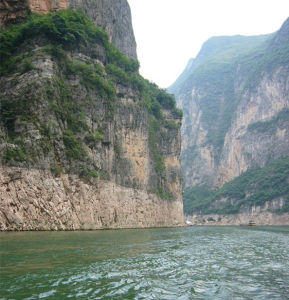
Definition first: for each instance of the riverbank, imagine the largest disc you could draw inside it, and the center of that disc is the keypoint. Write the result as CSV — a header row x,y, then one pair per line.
x,y
260,218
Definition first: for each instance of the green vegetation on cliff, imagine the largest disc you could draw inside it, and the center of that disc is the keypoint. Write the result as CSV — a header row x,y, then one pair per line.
x,y
271,125
80,97
254,187
65,28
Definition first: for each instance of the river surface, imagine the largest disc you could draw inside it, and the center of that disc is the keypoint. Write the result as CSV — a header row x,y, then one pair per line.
x,y
183,263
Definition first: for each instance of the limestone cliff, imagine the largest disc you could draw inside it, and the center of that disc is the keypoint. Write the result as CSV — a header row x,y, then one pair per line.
x,y
235,98
33,199
85,141
113,16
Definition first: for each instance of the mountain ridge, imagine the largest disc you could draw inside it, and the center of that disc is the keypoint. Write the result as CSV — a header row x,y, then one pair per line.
x,y
218,45
235,106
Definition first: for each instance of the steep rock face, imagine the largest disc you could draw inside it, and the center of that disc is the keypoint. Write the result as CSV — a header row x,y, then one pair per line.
x,y
113,16
244,147
235,101
209,96
247,146
84,141
36,200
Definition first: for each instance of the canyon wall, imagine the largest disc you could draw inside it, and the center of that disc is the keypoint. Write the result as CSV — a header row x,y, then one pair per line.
x,y
33,199
235,99
85,141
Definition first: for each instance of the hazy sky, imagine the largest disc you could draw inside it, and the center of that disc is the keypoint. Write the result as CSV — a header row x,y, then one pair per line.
x,y
169,32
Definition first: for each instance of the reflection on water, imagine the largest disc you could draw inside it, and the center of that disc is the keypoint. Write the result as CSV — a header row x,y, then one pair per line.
x,y
184,263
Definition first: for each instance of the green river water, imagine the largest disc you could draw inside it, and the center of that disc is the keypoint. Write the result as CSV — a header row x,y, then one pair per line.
x,y
182,263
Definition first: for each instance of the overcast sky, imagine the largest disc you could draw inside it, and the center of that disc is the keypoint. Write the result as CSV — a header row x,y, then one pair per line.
x,y
169,32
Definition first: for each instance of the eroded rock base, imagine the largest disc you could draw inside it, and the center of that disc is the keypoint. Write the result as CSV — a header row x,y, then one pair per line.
x,y
36,200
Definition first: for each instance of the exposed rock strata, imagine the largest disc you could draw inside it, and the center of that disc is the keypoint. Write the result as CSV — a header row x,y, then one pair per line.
x,y
234,95
243,149
35,200
114,16
75,146
122,155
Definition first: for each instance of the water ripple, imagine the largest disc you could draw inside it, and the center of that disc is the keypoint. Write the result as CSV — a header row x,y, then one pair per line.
x,y
188,263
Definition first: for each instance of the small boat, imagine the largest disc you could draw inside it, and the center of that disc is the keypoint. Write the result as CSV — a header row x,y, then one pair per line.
x,y
251,223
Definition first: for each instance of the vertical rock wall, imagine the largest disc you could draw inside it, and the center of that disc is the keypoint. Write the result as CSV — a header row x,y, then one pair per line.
x,y
35,200
102,174
224,92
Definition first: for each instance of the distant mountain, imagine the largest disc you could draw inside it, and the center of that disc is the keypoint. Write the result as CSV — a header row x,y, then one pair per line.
x,y
222,49
235,99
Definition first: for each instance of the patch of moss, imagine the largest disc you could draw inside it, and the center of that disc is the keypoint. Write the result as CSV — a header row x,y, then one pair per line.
x,y
11,109
14,154
86,172
56,170
118,74
74,148
27,66
170,124
117,150
92,139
